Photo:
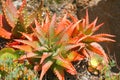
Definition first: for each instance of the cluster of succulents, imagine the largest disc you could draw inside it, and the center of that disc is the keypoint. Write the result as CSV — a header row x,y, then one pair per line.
x,y
51,44
12,70
56,44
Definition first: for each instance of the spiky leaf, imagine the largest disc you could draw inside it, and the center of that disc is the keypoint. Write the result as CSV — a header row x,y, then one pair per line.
x,y
10,12
45,68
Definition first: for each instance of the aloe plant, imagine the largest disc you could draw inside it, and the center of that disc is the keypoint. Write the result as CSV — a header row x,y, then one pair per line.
x,y
85,34
51,46
13,20
11,69
56,44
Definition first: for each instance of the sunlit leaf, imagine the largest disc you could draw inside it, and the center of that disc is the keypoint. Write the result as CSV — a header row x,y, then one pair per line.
x,y
98,50
59,71
27,56
45,68
10,12
33,44
4,33
44,56
24,3
64,63
52,26
26,48
75,56
90,27
87,18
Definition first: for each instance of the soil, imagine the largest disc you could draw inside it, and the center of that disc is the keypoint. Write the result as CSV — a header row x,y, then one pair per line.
x,y
3,43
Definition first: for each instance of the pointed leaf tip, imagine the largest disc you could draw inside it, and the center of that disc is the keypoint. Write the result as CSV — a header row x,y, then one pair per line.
x,y
24,2
87,18
45,68
59,71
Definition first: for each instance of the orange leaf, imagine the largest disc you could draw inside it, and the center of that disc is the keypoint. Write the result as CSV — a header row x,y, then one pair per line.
x,y
65,20
82,26
62,25
69,47
28,55
28,36
97,27
44,56
84,52
87,18
71,28
59,72
73,40
37,67
74,19
1,24
90,27
102,39
45,68
26,48
66,64
4,33
24,2
94,47
75,56
90,39
71,72
103,35
39,32
10,12
33,44
45,27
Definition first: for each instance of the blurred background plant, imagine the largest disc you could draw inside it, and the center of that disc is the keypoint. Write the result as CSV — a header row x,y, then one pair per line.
x,y
13,70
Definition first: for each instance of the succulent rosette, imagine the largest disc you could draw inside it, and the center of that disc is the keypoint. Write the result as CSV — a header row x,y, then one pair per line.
x,y
55,44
